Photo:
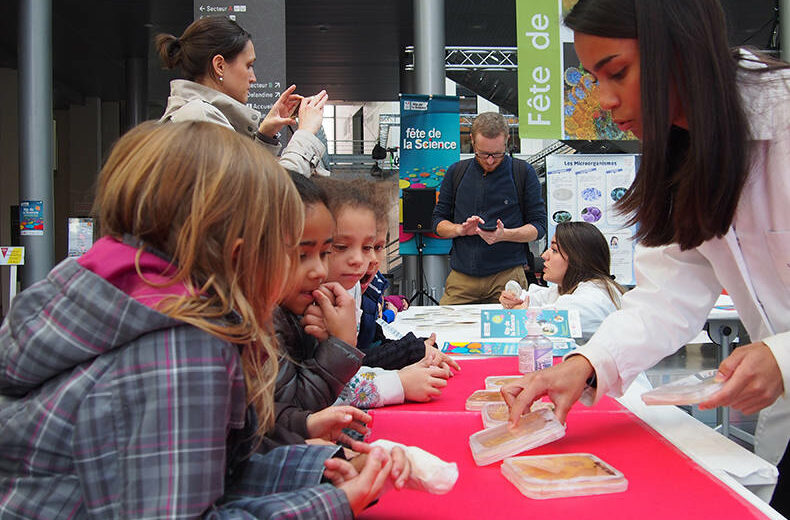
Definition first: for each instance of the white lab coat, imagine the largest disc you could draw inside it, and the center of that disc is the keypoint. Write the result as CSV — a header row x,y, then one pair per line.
x,y
591,299
677,289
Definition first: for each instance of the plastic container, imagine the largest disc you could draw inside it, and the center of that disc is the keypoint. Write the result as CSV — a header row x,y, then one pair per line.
x,y
494,414
533,429
566,475
535,351
480,398
689,390
514,288
497,382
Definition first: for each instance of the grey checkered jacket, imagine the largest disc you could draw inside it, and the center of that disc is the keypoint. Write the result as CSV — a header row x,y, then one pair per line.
x,y
114,410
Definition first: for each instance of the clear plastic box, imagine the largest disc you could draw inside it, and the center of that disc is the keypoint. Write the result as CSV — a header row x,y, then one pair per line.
x,y
495,414
689,390
480,398
533,429
565,475
497,382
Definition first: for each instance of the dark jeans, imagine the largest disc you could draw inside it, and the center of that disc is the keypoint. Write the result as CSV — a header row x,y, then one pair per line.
x,y
781,499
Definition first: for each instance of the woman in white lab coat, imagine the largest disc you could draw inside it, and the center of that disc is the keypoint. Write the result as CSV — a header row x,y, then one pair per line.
x,y
711,200
577,263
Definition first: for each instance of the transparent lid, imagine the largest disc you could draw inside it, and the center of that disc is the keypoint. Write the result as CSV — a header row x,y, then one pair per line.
x,y
494,414
689,390
513,287
533,429
497,382
569,474
479,398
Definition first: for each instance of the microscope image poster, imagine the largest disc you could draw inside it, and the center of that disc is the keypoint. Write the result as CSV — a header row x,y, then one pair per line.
x,y
585,188
430,142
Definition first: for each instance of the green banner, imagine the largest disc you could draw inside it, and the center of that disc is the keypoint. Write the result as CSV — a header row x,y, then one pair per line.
x,y
540,89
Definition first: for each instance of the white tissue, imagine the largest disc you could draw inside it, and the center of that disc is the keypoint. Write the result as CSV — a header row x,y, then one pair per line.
x,y
428,472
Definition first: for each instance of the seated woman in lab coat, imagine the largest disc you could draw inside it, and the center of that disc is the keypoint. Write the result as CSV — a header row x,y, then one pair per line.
x,y
577,263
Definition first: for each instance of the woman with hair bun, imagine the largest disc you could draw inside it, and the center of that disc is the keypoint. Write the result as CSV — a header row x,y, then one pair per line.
x,y
216,57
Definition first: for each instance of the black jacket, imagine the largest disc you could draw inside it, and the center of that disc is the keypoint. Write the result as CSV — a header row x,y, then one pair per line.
x,y
310,377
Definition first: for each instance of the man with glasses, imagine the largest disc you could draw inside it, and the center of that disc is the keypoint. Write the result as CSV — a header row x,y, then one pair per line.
x,y
491,206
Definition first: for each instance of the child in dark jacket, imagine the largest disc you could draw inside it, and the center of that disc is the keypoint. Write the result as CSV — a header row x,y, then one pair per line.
x,y
379,350
312,373
315,372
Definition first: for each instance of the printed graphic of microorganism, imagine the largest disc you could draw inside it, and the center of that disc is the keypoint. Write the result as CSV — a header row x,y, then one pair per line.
x,y
584,117
618,193
590,194
561,216
562,194
591,214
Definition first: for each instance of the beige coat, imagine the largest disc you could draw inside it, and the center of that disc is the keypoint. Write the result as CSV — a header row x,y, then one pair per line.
x,y
190,101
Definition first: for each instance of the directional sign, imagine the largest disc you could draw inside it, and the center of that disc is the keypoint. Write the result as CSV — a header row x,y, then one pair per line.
x,y
265,20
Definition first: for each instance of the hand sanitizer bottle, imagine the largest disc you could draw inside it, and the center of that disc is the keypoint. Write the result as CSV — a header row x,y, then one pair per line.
x,y
534,349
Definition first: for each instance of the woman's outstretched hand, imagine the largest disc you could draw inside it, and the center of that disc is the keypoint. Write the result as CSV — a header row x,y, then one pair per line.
x,y
563,384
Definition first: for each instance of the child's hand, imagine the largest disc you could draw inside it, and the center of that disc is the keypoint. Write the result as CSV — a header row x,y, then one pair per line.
x,y
401,465
422,383
512,301
435,357
361,488
329,423
339,311
314,324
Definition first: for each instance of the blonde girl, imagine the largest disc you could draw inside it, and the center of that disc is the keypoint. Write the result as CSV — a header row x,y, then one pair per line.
x,y
125,369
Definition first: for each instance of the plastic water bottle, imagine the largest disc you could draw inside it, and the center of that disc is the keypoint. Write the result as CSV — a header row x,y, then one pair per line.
x,y
534,350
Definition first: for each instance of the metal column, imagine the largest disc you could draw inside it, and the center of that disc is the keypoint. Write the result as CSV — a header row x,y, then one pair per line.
x,y
429,57
784,29
35,131
429,46
136,85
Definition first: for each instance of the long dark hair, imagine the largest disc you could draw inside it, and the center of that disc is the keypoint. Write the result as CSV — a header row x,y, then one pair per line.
x,y
201,41
586,250
689,182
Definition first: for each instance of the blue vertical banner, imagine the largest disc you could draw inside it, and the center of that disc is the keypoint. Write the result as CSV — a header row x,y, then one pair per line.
x,y
430,142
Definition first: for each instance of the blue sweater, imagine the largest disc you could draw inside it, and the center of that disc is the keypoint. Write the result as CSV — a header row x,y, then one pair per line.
x,y
490,196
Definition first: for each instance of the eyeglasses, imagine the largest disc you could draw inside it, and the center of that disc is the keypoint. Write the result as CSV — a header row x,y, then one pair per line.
x,y
486,155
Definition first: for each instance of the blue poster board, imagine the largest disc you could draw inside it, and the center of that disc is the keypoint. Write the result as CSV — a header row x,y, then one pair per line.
x,y
430,143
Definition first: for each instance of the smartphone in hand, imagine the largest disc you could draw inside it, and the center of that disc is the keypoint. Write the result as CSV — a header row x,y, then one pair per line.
x,y
487,226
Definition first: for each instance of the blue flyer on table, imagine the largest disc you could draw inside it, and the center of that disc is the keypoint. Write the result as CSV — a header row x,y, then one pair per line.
x,y
504,348
512,323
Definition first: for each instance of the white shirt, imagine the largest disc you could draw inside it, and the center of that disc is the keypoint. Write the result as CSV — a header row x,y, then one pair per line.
x,y
591,299
677,289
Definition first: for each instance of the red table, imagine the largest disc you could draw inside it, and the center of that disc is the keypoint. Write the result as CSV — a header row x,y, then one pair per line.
x,y
663,483
472,377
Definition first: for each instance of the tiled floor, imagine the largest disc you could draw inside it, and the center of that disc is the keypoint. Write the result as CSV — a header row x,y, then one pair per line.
x,y
688,360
